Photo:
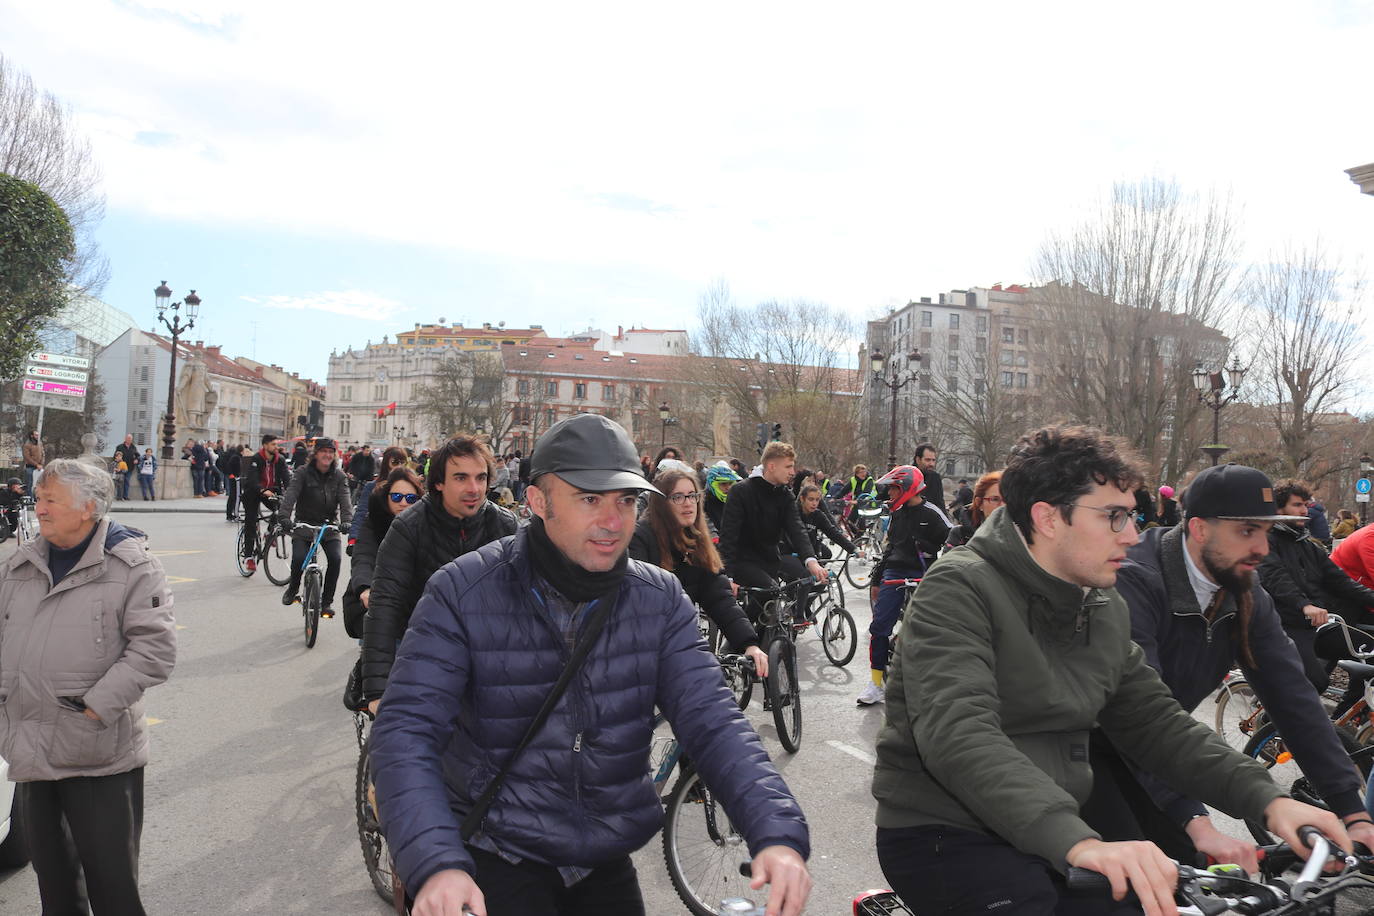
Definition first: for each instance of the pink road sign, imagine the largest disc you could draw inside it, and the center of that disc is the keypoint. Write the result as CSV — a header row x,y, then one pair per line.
x,y
33,384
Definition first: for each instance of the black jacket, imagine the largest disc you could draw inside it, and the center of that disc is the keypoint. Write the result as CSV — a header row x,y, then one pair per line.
x,y
1193,657
934,493
757,515
253,475
714,509
368,537
818,522
915,534
363,466
421,540
709,591
1299,572
315,498
128,454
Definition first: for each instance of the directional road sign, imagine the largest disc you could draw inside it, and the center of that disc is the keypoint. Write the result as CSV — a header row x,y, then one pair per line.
x,y
51,372
57,359
74,391
51,401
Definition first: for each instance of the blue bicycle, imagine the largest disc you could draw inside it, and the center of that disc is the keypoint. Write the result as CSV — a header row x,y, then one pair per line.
x,y
312,582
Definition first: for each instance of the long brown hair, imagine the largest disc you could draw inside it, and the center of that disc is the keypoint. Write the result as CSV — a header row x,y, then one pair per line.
x,y
694,541
980,489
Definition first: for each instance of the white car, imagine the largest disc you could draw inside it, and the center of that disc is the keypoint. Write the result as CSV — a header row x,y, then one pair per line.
x,y
13,852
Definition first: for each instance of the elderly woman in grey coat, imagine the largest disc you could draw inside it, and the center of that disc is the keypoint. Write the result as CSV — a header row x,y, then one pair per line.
x,y
87,628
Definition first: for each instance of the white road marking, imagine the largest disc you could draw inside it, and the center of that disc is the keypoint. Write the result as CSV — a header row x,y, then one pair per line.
x,y
852,751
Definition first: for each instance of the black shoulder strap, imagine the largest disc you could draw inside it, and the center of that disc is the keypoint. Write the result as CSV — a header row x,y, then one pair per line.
x,y
473,822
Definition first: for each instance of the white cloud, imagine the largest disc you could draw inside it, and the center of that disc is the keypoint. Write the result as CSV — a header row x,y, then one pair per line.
x,y
352,303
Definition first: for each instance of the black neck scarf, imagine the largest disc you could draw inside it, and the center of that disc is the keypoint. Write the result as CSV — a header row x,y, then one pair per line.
x,y
569,579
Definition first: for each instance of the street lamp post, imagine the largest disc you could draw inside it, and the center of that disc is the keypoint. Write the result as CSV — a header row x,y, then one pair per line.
x,y
1366,468
665,415
163,295
895,380
1210,386
399,434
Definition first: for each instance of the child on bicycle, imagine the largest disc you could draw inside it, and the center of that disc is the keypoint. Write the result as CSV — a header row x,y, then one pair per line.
x,y
916,531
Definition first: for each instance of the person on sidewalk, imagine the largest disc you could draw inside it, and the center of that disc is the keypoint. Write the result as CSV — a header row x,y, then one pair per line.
x,y
125,462
229,465
487,644
33,459
72,726
147,473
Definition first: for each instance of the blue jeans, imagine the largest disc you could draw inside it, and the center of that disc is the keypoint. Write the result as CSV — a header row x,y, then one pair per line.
x,y
885,614
145,484
197,481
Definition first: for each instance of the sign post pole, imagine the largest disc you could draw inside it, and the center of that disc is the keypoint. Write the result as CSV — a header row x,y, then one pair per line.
x,y
41,408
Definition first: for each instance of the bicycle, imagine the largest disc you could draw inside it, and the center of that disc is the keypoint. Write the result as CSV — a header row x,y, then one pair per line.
x,y
273,547
376,853
701,848
312,582
25,527
839,634
868,541
779,626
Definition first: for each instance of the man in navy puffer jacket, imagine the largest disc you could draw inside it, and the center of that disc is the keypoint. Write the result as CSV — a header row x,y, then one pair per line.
x,y
485,646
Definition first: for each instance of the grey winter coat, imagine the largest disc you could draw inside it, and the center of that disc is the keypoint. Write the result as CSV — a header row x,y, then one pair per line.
x,y
103,635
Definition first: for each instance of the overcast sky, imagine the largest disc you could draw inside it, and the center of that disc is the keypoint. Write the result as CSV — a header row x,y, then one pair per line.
x,y
328,172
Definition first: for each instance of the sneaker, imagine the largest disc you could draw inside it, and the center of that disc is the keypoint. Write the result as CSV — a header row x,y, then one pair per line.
x,y
288,597
871,694
327,612
250,564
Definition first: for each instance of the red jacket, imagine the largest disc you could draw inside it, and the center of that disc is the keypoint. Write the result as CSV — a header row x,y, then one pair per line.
x,y
1355,555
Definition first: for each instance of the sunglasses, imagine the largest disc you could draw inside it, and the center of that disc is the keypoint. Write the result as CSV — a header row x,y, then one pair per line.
x,y
408,497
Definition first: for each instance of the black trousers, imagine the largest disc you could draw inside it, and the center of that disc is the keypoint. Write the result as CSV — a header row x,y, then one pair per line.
x,y
231,497
250,521
751,575
1317,671
531,889
333,551
1119,808
946,870
83,835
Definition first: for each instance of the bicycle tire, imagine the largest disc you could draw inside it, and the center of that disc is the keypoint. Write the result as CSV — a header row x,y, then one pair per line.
x,y
1236,708
740,682
376,854
276,555
858,566
783,695
839,636
238,554
701,848
310,606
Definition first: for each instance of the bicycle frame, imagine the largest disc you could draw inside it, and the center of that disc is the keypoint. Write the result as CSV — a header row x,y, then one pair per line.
x,y
315,544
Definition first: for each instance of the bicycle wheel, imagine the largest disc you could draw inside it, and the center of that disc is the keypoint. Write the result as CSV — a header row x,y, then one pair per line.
x,y
276,555
1236,718
1268,748
238,554
858,566
310,605
783,695
376,854
701,848
740,682
839,636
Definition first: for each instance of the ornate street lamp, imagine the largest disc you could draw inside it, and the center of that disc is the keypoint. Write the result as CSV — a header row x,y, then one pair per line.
x,y
1210,385
162,296
665,415
895,380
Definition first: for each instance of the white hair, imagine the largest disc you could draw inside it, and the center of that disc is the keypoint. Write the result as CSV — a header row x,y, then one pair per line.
x,y
88,483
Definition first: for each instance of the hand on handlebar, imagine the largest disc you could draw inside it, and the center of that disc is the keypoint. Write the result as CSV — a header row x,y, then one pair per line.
x,y
816,569
449,893
1212,842
1285,817
1135,865
760,660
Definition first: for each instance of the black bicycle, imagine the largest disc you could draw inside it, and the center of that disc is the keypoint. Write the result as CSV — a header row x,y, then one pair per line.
x,y
779,622
376,854
273,546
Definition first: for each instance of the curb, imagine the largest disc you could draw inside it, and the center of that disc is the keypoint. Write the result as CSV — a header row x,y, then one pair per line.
x,y
122,510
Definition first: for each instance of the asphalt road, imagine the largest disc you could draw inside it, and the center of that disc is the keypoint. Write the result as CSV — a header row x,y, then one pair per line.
x,y
249,794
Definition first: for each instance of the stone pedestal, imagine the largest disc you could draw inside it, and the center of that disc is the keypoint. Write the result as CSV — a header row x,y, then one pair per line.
x,y
174,479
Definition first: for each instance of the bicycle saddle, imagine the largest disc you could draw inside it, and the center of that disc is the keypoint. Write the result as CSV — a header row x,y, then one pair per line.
x,y
1357,669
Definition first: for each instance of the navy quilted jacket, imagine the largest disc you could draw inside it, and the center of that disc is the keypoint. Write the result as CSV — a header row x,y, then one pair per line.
x,y
481,654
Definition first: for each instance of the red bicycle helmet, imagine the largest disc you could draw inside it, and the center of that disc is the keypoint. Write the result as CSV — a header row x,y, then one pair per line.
x,y
909,478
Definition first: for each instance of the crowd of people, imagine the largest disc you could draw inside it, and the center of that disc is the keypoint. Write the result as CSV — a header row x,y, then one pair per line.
x,y
1061,620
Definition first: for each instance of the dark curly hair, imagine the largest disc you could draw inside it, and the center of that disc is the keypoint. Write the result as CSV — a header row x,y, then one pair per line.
x,y
458,447
1059,464
1284,490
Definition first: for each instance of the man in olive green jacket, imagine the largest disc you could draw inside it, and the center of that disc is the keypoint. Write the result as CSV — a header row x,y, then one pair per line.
x,y
1012,649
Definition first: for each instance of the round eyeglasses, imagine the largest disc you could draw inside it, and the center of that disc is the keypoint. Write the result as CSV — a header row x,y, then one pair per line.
x,y
1117,516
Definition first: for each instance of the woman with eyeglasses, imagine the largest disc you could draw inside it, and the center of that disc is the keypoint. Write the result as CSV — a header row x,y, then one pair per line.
x,y
987,497
672,534
401,489
392,458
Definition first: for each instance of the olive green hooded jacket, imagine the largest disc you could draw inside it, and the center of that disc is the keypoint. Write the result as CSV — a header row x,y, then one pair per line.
x,y
1001,671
